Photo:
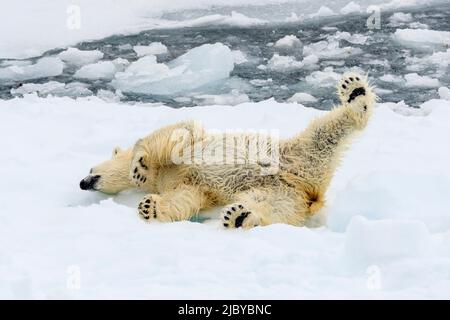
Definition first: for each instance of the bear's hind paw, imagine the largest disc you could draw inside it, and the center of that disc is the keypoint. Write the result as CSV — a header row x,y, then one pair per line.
x,y
150,208
236,216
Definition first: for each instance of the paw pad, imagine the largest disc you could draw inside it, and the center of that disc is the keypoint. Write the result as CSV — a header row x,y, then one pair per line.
x,y
236,216
148,208
351,87
139,171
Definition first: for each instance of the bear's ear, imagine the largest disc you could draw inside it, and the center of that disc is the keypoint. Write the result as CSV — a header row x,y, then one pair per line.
x,y
116,151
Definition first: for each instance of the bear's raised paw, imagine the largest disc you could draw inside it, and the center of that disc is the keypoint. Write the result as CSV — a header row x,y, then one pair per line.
x,y
355,92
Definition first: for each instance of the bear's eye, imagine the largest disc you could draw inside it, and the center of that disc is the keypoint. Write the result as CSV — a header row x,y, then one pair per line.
x,y
90,171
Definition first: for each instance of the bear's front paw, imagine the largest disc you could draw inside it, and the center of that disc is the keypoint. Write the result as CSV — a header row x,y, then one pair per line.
x,y
150,208
139,169
236,216
355,92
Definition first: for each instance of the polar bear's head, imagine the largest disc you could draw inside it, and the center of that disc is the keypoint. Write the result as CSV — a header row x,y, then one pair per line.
x,y
111,176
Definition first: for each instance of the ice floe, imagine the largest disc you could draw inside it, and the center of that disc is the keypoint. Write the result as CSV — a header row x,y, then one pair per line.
x,y
198,67
444,93
415,80
302,97
55,88
154,48
351,7
101,70
44,67
79,57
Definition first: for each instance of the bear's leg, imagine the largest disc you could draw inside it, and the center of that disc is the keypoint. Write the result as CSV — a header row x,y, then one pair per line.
x,y
162,148
311,157
182,203
260,207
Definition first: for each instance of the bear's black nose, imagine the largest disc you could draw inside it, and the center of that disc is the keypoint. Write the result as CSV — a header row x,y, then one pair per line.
x,y
89,182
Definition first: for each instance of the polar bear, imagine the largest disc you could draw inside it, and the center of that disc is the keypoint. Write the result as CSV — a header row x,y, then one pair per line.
x,y
252,193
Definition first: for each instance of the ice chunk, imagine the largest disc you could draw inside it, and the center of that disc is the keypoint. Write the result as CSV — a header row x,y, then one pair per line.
x,y
80,58
289,45
293,18
325,78
324,11
101,70
283,63
352,38
415,80
198,67
417,37
109,96
444,93
351,7
441,59
372,242
154,48
261,82
45,67
239,57
399,18
234,19
288,41
330,50
418,25
41,88
391,78
125,47
288,63
73,89
19,63
231,99
302,97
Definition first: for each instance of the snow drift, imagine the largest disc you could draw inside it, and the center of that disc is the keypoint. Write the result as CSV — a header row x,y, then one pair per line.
x,y
387,236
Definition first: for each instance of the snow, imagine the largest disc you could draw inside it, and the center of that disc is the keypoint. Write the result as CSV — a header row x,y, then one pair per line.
x,y
351,7
373,242
79,57
153,48
415,80
200,66
387,236
44,67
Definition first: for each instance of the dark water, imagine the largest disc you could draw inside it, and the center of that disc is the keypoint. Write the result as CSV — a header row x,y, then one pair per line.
x,y
253,41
